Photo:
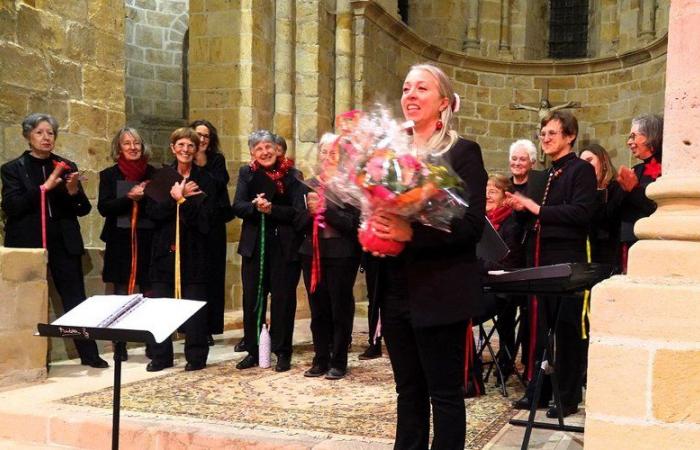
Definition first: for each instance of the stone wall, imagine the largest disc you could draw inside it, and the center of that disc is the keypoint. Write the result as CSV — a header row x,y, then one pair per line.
x,y
611,90
23,304
155,35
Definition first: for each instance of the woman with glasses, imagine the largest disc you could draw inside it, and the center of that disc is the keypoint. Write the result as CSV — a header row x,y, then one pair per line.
x,y
190,198
210,159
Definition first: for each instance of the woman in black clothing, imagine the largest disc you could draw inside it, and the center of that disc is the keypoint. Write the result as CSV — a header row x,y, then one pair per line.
x,y
120,203
42,198
522,156
192,193
429,293
266,192
329,278
210,158
605,227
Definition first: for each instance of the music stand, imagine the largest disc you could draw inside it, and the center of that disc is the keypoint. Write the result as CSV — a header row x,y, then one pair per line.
x,y
121,319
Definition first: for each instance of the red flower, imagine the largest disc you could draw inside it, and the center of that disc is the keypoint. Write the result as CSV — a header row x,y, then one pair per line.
x,y
653,169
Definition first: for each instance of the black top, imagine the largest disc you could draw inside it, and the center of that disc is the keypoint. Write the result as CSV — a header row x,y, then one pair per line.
x,y
216,168
21,203
281,219
605,226
338,239
635,204
441,272
195,220
112,205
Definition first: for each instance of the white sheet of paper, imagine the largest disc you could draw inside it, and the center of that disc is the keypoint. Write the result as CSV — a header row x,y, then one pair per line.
x,y
160,316
93,310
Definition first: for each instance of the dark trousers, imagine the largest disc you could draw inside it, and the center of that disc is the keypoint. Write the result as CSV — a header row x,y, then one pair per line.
x,y
428,365
195,329
216,286
570,354
506,311
67,274
371,268
332,309
280,280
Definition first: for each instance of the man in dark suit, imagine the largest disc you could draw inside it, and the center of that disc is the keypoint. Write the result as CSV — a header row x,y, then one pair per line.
x,y
39,173
558,210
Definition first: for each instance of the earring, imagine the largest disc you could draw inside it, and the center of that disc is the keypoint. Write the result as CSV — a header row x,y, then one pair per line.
x,y
438,125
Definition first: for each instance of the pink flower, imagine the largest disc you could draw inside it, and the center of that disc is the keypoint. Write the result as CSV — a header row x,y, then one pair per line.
x,y
375,168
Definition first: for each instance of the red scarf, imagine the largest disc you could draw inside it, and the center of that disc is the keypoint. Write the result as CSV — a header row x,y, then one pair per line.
x,y
277,172
499,215
132,170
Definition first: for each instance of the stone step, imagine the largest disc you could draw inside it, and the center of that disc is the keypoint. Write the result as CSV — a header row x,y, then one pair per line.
x,y
14,445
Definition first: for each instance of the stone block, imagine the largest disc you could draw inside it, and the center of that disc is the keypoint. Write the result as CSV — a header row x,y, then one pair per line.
x,y
224,23
158,56
31,299
159,19
620,384
21,427
20,351
80,45
500,129
107,16
27,68
109,50
88,120
47,30
169,74
13,103
95,433
148,37
637,301
604,435
23,264
675,390
104,87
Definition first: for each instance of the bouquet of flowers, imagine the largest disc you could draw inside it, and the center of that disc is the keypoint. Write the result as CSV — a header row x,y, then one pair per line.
x,y
380,170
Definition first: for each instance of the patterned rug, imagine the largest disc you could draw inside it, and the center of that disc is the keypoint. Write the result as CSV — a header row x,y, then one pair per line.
x,y
361,404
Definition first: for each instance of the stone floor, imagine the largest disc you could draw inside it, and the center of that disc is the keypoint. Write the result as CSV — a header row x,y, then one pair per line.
x,y
22,423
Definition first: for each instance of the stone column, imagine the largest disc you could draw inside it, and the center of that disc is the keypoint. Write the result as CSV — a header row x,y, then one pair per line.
x,y
284,72
644,361
343,57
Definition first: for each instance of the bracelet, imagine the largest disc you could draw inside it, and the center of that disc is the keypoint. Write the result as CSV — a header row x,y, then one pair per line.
x,y
181,201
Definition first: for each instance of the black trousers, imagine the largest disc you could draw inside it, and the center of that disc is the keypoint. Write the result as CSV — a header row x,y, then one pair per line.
x,y
428,366
506,311
371,268
571,348
216,286
332,309
195,329
66,271
280,280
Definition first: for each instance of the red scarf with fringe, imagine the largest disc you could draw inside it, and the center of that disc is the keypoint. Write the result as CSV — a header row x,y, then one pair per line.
x,y
277,172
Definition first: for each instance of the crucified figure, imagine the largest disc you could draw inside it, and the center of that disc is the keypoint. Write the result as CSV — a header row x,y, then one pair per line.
x,y
544,108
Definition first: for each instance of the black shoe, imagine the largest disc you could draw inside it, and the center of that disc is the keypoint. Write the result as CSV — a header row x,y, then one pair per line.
x,y
335,374
525,403
372,352
189,367
247,362
284,362
240,347
316,371
97,363
210,340
553,412
157,366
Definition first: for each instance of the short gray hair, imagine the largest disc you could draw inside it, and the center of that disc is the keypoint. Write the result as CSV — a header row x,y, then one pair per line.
x,y
259,136
282,142
651,126
527,145
115,148
34,119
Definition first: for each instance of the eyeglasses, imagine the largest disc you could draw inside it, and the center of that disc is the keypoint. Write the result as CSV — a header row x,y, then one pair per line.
x,y
203,136
550,133
633,136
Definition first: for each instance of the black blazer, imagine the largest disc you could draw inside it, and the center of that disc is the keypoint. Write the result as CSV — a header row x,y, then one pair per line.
x,y
216,167
111,207
442,273
281,218
339,237
635,204
21,203
195,219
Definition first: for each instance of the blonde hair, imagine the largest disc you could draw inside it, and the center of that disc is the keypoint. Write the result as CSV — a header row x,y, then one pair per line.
x,y
444,138
115,148
502,182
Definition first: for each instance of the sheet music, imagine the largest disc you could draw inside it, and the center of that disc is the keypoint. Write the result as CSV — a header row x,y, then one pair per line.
x,y
94,310
160,316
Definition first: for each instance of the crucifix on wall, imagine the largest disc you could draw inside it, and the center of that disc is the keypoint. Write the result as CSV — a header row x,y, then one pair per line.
x,y
543,108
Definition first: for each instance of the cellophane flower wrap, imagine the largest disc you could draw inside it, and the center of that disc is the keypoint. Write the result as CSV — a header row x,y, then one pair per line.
x,y
380,170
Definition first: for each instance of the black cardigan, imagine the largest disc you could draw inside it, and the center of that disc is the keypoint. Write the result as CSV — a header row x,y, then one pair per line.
x,y
195,217
441,271
21,203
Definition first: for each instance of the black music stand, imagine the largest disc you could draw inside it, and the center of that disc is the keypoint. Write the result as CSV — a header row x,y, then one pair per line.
x,y
121,319
560,280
